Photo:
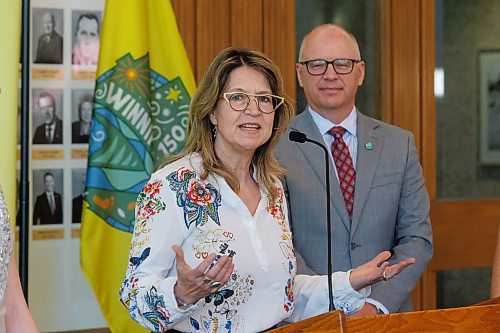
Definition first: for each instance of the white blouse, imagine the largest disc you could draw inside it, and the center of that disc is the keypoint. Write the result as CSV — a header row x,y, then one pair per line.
x,y
203,217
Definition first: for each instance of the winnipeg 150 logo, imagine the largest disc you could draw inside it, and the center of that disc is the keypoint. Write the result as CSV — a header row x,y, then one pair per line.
x,y
139,118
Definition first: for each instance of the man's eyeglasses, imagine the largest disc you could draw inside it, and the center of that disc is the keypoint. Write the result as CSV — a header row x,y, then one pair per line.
x,y
320,66
266,103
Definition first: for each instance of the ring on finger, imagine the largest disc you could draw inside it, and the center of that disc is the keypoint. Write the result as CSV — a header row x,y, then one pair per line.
x,y
384,276
215,284
206,279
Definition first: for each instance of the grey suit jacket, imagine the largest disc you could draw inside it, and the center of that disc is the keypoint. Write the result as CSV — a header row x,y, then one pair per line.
x,y
391,205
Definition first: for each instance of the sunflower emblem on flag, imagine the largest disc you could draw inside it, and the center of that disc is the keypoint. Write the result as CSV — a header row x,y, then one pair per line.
x,y
139,118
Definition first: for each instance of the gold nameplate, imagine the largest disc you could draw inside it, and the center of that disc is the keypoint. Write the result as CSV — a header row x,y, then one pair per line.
x,y
75,233
83,74
47,234
79,153
47,154
48,74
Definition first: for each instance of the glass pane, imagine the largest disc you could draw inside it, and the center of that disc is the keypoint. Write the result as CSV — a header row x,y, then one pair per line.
x,y
356,16
468,98
463,287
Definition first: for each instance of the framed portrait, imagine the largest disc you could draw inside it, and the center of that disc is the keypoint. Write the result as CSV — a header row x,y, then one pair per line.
x,y
48,196
81,114
86,27
489,107
47,35
47,127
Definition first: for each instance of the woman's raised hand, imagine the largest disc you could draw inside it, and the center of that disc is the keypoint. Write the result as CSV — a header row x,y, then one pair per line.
x,y
203,280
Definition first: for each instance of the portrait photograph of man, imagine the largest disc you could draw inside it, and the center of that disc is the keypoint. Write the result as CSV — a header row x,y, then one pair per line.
x,y
493,119
48,189
47,116
47,36
81,115
78,177
86,36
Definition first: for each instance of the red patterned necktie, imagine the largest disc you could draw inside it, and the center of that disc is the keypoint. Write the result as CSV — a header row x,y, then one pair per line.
x,y
345,167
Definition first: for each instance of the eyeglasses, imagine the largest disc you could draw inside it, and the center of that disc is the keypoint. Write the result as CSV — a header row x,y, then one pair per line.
x,y
266,103
320,66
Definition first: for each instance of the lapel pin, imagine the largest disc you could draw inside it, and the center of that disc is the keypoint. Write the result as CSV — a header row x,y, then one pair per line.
x,y
369,145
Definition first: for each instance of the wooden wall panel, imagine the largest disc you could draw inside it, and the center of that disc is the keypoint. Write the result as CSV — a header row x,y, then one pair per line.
x,y
383,60
246,23
428,151
464,233
185,13
279,39
208,26
407,62
428,155
213,31
406,66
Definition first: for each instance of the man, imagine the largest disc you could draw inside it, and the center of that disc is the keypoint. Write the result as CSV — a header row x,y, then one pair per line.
x,y
50,43
379,201
86,47
48,205
80,129
50,132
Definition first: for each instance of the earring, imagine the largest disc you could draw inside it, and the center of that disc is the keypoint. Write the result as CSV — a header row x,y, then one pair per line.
x,y
214,131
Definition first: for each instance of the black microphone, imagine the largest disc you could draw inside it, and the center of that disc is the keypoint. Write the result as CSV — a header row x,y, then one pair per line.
x,y
300,137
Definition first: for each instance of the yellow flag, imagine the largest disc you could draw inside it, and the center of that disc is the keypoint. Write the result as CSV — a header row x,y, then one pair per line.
x,y
143,90
10,24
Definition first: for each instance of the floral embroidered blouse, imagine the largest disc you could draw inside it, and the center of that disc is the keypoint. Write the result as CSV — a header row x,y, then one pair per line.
x,y
207,216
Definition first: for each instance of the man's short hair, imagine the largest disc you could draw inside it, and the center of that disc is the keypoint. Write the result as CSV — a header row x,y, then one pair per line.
x,y
88,16
46,94
45,175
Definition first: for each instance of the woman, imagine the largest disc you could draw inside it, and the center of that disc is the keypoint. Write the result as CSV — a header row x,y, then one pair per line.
x,y
212,248
80,128
14,314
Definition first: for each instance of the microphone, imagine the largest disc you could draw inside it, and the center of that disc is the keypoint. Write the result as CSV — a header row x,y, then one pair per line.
x,y
300,137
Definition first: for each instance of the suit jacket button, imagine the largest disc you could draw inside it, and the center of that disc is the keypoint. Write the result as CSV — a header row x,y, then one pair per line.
x,y
353,246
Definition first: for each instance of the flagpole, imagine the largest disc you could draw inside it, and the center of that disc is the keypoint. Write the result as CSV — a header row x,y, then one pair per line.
x,y
24,138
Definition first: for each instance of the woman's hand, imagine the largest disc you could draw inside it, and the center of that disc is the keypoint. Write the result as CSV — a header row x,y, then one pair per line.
x,y
201,281
376,270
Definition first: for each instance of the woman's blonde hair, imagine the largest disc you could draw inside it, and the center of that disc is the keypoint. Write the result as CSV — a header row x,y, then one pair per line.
x,y
200,137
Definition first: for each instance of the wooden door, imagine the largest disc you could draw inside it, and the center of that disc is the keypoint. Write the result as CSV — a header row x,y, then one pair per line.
x,y
408,101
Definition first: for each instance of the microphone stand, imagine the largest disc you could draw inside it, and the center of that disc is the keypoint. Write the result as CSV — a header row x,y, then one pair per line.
x,y
300,137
